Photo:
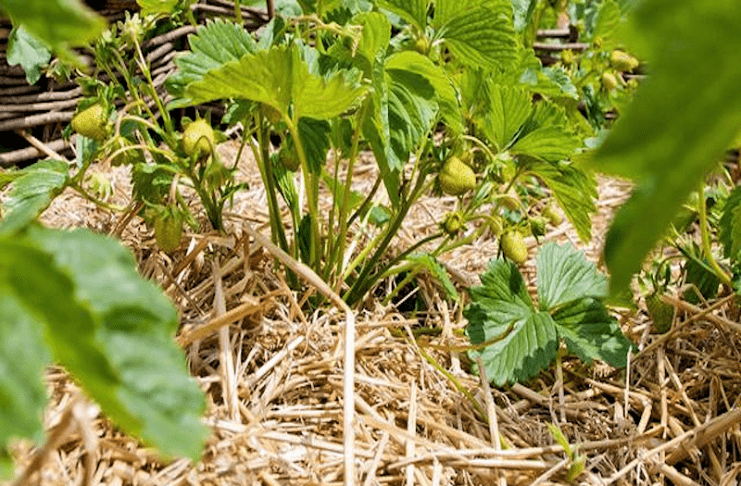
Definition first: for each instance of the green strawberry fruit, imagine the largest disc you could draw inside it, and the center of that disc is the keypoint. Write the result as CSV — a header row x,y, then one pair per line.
x,y
661,313
552,215
513,246
92,122
537,226
288,158
622,61
199,139
453,223
168,229
609,81
496,226
456,178
509,201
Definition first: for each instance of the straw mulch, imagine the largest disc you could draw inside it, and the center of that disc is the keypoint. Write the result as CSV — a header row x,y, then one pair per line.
x,y
273,375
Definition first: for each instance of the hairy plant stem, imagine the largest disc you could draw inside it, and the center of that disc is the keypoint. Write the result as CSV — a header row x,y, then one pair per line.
x,y
341,240
705,235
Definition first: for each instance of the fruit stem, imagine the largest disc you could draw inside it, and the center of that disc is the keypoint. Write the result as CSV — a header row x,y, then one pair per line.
x,y
705,234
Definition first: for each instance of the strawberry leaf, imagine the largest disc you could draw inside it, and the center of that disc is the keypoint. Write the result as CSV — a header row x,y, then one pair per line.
x,y
501,307
730,225
32,193
519,340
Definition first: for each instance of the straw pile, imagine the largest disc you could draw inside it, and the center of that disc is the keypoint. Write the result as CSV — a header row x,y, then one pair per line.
x,y
273,374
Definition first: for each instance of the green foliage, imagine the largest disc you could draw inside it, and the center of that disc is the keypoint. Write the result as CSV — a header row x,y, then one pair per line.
x,y
59,24
28,51
113,332
673,131
519,339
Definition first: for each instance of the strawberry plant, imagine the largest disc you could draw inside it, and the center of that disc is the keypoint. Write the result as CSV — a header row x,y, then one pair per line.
x,y
516,337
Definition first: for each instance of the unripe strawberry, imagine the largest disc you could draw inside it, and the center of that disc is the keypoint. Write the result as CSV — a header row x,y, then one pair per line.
x,y
537,226
168,229
271,114
422,46
456,178
288,158
453,223
92,122
509,201
609,81
660,312
496,226
513,246
622,61
199,139
552,215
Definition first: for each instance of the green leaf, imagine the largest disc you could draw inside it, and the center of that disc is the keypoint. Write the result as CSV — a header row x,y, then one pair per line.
x,y
482,35
607,23
315,138
590,332
437,270
280,78
564,275
375,37
523,13
519,340
509,108
49,295
679,122
149,7
29,52
32,193
546,136
574,190
730,225
150,394
23,358
447,98
59,24
502,306
413,11
213,44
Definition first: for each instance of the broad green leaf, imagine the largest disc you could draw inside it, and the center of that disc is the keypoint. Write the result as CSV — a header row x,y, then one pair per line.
x,y
49,295
549,143
607,23
23,358
509,108
413,11
32,193
447,98
437,270
590,332
149,7
523,13
375,37
564,275
502,307
213,44
412,110
314,135
679,122
377,131
482,35
279,78
286,184
574,190
29,52
730,225
59,24
154,397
